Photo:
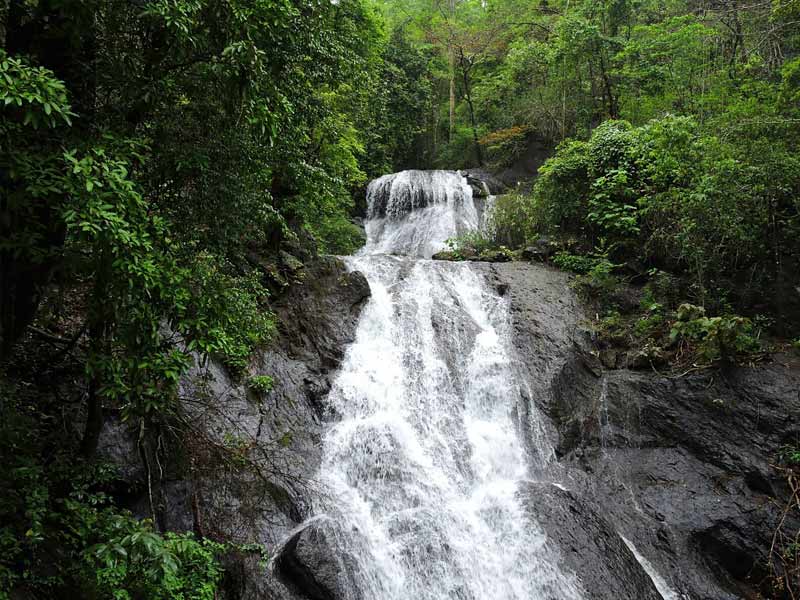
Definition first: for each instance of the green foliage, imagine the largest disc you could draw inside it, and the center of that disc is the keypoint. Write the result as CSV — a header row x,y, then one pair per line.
x,y
402,107
261,383
505,146
599,282
576,263
31,94
723,337
562,188
102,551
662,193
136,562
651,323
791,455
470,244
511,222
227,317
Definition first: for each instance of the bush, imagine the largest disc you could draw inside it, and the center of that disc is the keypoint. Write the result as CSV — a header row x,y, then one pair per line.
x,y
599,283
135,562
724,337
470,244
62,535
511,221
261,383
560,193
575,263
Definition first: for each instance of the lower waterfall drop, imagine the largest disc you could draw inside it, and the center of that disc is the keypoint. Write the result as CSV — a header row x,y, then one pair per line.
x,y
422,454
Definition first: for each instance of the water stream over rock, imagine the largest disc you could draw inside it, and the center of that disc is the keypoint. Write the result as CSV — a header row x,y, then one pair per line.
x,y
423,454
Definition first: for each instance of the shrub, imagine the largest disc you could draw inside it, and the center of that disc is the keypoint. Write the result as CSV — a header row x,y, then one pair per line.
x,y
470,244
724,337
652,322
662,193
136,562
599,282
62,535
511,222
575,263
261,383
560,193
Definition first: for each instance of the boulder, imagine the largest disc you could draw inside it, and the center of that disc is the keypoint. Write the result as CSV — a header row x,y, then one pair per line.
x,y
494,256
310,564
445,255
483,183
540,251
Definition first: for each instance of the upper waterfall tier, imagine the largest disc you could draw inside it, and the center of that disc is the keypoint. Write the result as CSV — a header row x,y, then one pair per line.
x,y
415,212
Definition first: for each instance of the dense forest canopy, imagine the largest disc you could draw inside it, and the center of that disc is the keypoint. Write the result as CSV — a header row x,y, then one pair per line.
x,y
166,165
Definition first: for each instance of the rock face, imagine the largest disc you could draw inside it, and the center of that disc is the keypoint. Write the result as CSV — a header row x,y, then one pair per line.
x,y
679,466
483,183
589,544
274,436
692,458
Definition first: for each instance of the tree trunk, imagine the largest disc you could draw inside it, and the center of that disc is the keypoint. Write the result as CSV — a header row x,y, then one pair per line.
x,y
4,6
452,94
613,109
452,62
465,68
101,319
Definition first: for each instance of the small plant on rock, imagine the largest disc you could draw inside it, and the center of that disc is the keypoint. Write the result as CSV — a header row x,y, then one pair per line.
x,y
469,245
262,384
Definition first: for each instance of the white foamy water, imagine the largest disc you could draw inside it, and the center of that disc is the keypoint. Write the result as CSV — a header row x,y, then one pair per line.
x,y
422,455
413,213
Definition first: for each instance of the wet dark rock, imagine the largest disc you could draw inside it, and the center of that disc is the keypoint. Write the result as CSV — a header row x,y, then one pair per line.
x,y
310,564
494,256
638,359
540,251
588,544
446,255
695,453
117,446
483,183
609,357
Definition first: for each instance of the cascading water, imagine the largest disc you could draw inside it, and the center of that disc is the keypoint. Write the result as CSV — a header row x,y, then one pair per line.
x,y
413,213
423,454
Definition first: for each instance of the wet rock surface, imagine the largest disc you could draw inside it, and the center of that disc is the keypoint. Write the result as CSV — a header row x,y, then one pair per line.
x,y
309,563
588,544
679,465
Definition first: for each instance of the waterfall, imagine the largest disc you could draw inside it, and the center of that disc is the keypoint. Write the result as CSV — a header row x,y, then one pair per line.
x,y
422,455
413,213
